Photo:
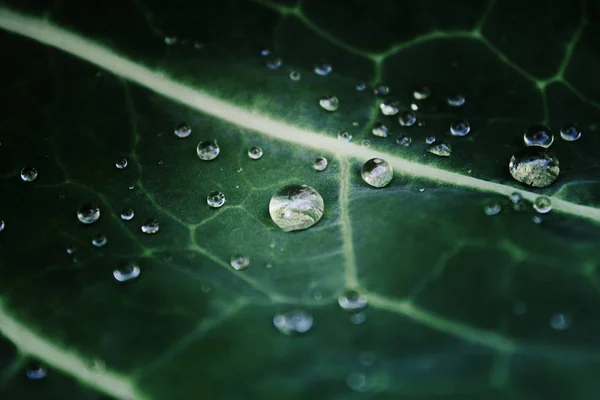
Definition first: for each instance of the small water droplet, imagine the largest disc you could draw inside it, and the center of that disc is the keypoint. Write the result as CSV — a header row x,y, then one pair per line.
x,y
131,187
160,162
515,197
538,135
198,45
377,172
2,225
29,174
430,139
380,130
357,382
421,190
421,93
560,321
322,69
366,143
360,87
170,40
265,52
407,118
358,318
355,123
329,103
414,106
71,249
570,132
440,148
295,76
215,199
127,214
320,163
535,167
456,100
542,205
344,136
239,262
492,208
100,240
404,140
255,152
460,128
35,371
208,150
274,63
151,226
381,90
293,322
121,164
126,272
352,300
182,130
296,207
268,265
88,213
389,107
537,219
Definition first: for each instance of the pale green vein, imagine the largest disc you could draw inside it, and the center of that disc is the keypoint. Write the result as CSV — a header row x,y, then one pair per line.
x,y
92,52
571,44
30,343
350,275
435,35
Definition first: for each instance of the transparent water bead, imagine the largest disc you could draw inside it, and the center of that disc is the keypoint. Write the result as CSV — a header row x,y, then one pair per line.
x,y
414,106
407,118
29,174
352,300
127,272
389,107
239,262
35,371
381,90
320,164
380,130
127,214
274,63
170,40
344,136
537,219
560,321
296,207
430,139
366,143
535,167
515,197
99,240
265,52
542,205
295,76
71,249
538,135
2,225
460,128
293,322
121,164
358,318
360,87
377,172
151,226
215,199
492,209
456,100
404,140
182,130
208,150
329,103
570,132
255,152
440,148
322,69
88,213
421,93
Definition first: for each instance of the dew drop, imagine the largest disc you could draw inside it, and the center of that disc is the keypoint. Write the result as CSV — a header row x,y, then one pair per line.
x,y
29,174
126,272
535,167
329,103
560,321
296,207
121,164
239,262
377,172
265,52
407,118
440,148
183,130
460,128
366,143
170,40
421,93
208,150
456,100
542,205
538,135
380,130
430,139
357,382
88,213
389,107
215,199
358,318
255,152
352,300
293,322
322,69
198,45
492,209
414,106
151,226
515,197
320,163
344,136
537,219
360,87
100,240
36,372
71,249
381,90
274,63
404,140
127,214
570,132
2,225
295,76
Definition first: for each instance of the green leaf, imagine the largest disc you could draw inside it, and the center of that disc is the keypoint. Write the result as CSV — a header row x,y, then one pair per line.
x,y
461,305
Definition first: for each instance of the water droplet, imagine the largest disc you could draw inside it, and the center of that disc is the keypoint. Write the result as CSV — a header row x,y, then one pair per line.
x,y
296,207
380,130
421,93
239,262
537,219
265,52
88,213
182,130
268,265
414,106
360,87
208,150
560,321
389,107
440,148
377,172
358,318
344,136
492,208
71,249
126,272
538,135
198,45
381,90
430,139
100,240
366,143
460,128
215,199
121,164
542,205
255,152
295,76
407,118
274,63
456,100
421,190
322,69
355,123
320,163
131,187
352,300
329,103
170,40
151,226
36,372
404,140
2,225
357,382
293,322
127,214
28,174
515,197
570,132
535,167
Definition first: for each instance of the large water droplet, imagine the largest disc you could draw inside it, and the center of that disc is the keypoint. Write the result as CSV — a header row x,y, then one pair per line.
x,y
381,90
421,93
570,132
460,128
100,240
535,167
560,321
404,140
126,272
322,69
542,205
296,207
121,164
440,148
28,174
352,300
183,130
35,371
538,135
389,107
127,214
255,152
344,136
215,199
274,63
88,213
239,262
329,103
293,322
456,100
407,118
380,130
208,150
377,172
295,76
151,226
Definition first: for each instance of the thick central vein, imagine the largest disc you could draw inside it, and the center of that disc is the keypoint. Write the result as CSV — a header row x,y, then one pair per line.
x,y
88,50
